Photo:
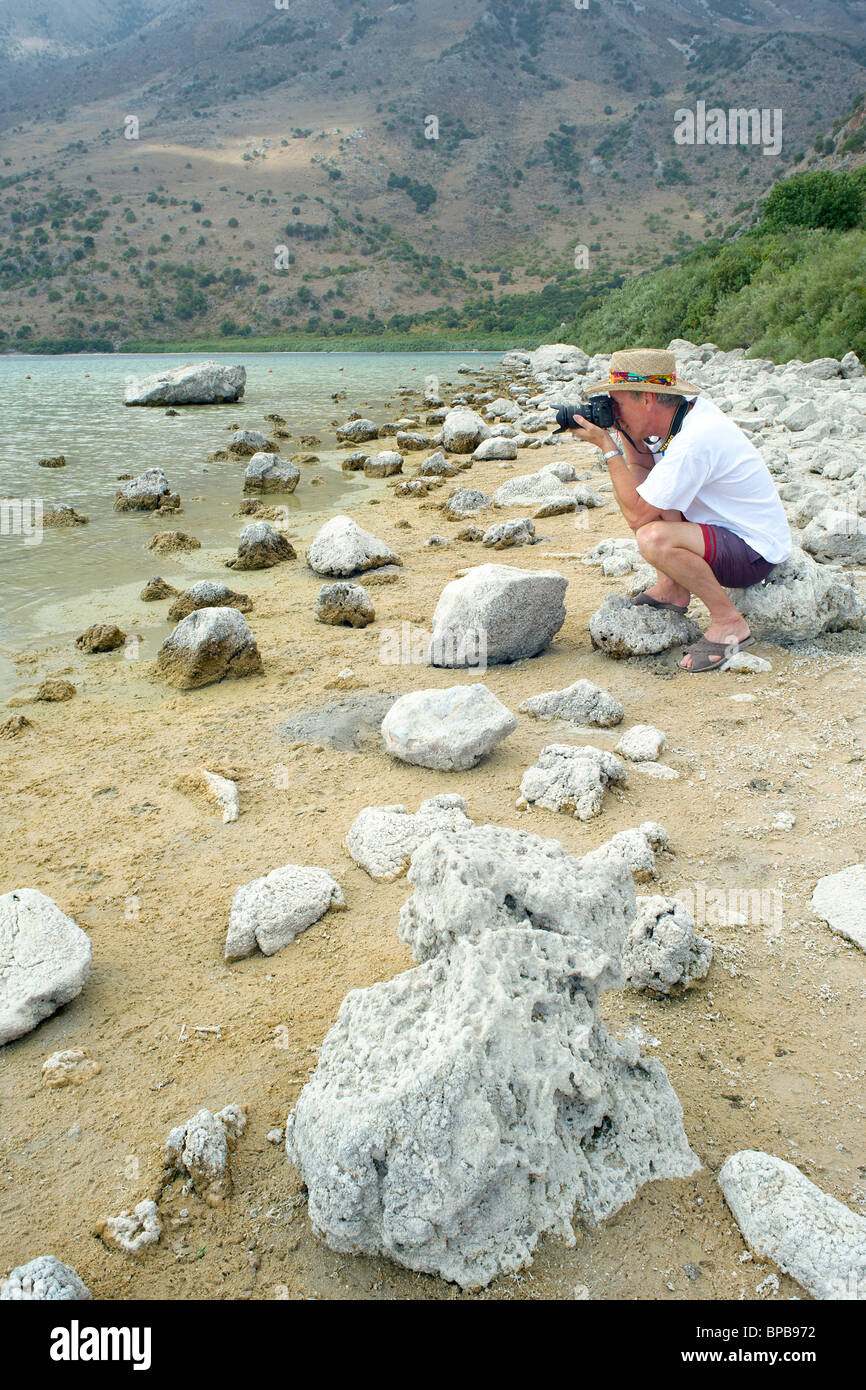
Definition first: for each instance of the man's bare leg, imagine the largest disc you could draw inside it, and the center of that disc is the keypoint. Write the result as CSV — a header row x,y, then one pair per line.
x,y
665,589
676,550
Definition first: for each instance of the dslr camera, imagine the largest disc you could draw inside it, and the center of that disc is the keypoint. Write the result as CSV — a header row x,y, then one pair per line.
x,y
598,410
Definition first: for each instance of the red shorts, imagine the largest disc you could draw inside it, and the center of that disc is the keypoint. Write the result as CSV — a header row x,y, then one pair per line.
x,y
734,563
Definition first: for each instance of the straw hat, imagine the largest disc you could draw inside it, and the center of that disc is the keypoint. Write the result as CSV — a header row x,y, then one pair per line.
x,y
643,369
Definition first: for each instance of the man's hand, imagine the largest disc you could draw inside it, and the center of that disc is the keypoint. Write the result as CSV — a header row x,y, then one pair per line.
x,y
592,434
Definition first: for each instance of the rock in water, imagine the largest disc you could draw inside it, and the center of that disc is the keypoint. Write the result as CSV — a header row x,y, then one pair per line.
x,y
447,730
260,548
208,646
581,703
567,778
347,604
246,443
204,383
270,473
470,879
42,1280
663,952
199,1151
465,1108
497,613
358,431
840,899
622,630
342,547
382,839
101,637
45,960
206,594
146,493
799,600
784,1217
270,912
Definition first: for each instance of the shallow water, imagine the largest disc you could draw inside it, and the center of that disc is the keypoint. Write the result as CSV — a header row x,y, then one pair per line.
x,y
74,406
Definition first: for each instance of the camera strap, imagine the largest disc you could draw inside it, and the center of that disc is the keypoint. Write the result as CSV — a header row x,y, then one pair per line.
x,y
676,425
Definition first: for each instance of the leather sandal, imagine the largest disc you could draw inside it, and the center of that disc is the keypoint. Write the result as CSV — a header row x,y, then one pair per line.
x,y
700,653
644,600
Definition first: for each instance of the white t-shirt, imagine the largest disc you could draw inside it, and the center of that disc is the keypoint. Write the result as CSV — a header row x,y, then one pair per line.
x,y
712,473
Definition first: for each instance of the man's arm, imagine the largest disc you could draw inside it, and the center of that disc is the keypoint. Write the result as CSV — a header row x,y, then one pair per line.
x,y
624,475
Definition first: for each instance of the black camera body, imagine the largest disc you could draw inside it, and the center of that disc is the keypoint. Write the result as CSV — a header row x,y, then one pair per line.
x,y
598,410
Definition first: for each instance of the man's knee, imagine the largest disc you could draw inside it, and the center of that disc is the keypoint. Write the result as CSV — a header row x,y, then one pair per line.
x,y
652,538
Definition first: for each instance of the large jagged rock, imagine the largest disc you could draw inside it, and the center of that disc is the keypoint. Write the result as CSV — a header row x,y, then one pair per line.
x,y
199,1151
260,548
836,535
465,1108
146,493
799,600
663,952
202,383
269,473
45,960
571,779
342,547
787,1218
382,839
622,630
448,730
581,703
44,1279
268,913
208,645
840,899
463,430
507,613
207,594
469,880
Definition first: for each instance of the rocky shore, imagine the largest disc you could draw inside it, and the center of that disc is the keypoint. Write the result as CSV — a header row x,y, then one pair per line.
x,y
235,841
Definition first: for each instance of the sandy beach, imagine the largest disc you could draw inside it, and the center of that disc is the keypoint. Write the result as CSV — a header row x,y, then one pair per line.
x,y
100,812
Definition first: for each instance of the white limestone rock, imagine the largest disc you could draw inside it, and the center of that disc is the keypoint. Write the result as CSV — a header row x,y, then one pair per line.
x,y
466,501
260,548
840,900
636,848
571,779
488,877
270,473
448,730
496,447
202,383
642,743
342,547
43,1280
225,793
132,1231
270,912
509,533
463,1109
45,960
246,443
533,488
581,703
358,431
209,645
511,613
663,952
199,1151
71,1067
437,466
799,600
145,493
463,430
785,1217
382,839
207,594
384,465
344,604
622,630
836,535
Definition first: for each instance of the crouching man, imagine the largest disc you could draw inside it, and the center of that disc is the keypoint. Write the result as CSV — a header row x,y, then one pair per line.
x,y
696,493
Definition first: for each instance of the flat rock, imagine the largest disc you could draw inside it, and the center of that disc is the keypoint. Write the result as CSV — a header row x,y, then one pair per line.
x,y
382,839
785,1217
836,535
207,594
350,724
532,488
45,960
260,548
642,743
202,383
622,630
664,953
208,645
799,600
344,603
42,1280
268,913
840,899
448,730
581,703
499,612
342,547
571,779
